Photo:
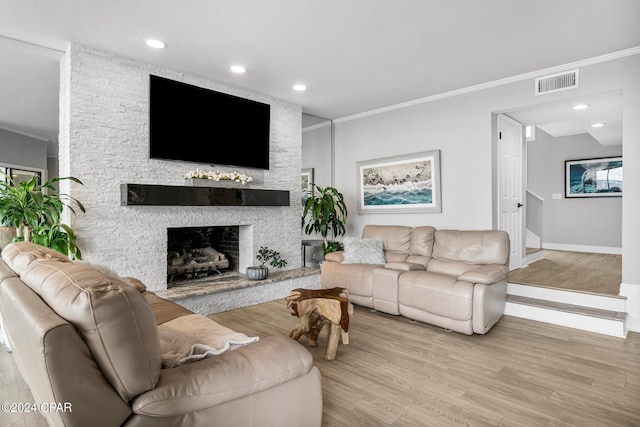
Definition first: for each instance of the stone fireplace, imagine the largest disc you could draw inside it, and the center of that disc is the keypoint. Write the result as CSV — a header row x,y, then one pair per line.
x,y
104,141
199,254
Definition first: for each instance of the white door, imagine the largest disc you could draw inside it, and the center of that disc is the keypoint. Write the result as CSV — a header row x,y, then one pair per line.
x,y
511,197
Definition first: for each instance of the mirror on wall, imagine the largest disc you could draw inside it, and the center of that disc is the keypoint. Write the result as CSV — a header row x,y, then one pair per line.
x,y
317,167
317,150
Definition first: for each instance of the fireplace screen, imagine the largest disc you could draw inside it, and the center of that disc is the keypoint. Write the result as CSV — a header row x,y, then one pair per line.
x,y
201,254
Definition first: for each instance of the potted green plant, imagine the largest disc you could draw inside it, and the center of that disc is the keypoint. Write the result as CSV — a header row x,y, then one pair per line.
x,y
325,212
35,211
265,255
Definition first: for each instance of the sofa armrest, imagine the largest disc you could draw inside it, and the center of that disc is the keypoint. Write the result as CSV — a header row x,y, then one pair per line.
x,y
485,274
247,370
337,256
488,305
404,266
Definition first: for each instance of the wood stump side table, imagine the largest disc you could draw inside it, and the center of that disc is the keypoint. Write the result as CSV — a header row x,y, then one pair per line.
x,y
316,308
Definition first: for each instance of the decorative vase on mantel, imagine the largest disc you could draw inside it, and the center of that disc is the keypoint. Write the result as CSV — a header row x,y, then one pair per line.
x,y
257,272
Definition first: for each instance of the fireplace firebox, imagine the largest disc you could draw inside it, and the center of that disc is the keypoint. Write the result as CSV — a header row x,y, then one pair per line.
x,y
202,254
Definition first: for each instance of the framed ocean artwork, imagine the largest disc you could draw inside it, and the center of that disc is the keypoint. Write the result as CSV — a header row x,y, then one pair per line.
x,y
400,184
593,177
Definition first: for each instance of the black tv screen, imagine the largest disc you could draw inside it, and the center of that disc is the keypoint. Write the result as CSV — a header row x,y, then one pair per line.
x,y
195,124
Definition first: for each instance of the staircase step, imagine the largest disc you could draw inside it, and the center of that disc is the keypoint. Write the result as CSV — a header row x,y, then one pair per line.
x,y
569,308
583,299
594,313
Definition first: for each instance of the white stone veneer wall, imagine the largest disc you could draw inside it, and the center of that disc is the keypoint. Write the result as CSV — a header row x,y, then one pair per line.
x,y
104,141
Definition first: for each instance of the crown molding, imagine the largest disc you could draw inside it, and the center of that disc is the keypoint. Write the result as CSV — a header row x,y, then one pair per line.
x,y
495,83
318,126
29,135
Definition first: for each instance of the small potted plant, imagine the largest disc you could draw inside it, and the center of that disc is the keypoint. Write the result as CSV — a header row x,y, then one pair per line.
x,y
265,255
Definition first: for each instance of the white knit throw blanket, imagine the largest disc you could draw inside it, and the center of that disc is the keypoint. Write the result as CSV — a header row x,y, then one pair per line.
x,y
194,337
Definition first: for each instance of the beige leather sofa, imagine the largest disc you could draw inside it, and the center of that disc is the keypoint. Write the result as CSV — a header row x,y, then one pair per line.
x,y
453,279
89,342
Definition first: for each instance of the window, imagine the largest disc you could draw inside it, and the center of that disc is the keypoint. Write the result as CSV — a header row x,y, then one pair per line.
x,y
20,173
530,133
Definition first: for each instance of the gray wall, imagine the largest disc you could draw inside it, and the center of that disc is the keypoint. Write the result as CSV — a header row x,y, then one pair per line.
x,y
461,127
21,150
316,153
584,221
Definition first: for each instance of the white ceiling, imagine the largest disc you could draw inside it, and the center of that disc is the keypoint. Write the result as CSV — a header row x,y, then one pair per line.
x,y
353,55
560,119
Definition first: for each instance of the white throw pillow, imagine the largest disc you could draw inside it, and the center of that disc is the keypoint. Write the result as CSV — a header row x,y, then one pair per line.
x,y
363,251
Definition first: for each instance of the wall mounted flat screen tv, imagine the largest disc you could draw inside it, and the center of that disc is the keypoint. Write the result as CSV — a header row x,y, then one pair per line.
x,y
194,124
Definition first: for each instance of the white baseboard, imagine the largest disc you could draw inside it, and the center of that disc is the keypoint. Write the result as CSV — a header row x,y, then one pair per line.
x,y
582,248
632,292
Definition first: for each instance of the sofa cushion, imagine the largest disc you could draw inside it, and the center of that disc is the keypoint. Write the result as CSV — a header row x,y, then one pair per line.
x,y
363,251
395,256
396,237
112,317
437,294
422,241
19,255
164,310
403,266
472,246
248,370
450,268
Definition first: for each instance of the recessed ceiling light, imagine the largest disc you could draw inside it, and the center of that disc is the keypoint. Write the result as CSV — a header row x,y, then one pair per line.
x,y
580,107
156,44
597,125
299,87
238,69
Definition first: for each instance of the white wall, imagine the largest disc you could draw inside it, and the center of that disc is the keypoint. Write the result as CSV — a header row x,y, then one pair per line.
x,y
104,141
461,127
588,222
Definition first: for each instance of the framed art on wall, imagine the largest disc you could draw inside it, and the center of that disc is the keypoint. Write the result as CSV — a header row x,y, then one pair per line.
x,y
400,184
593,177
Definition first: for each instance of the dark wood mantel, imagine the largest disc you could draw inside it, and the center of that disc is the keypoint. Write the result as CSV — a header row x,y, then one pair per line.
x,y
177,195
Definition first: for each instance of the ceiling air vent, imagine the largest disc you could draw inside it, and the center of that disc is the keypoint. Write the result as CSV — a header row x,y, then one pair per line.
x,y
557,82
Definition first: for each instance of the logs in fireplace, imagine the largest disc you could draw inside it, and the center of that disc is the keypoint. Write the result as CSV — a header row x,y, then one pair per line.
x,y
198,253
197,263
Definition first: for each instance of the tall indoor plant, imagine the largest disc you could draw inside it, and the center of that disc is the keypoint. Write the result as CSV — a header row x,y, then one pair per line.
x,y
325,212
35,211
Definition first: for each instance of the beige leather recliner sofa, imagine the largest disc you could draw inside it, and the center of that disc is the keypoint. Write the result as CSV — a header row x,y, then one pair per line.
x,y
449,278
89,343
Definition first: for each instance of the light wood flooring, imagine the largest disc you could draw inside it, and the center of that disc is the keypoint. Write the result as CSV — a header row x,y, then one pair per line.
x,y
579,271
396,372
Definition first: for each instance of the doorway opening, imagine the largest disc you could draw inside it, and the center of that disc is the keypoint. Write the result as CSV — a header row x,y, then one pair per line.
x,y
582,231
